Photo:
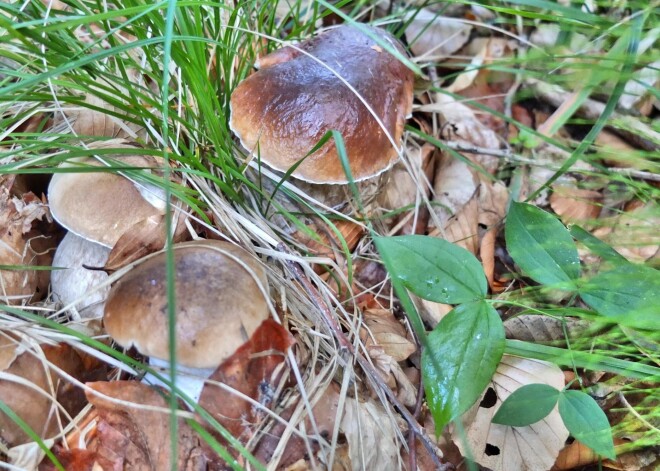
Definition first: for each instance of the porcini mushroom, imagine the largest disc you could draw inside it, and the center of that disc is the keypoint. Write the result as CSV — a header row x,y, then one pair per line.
x,y
341,80
219,304
100,206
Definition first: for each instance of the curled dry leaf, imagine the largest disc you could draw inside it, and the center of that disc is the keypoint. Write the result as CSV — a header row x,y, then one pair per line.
x,y
462,228
255,370
504,448
385,331
575,205
371,435
329,244
143,238
17,215
454,185
433,37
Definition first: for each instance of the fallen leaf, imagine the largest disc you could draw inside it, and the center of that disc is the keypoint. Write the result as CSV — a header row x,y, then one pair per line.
x,y
504,448
432,37
455,184
143,238
254,370
575,205
462,228
132,437
543,329
371,435
385,331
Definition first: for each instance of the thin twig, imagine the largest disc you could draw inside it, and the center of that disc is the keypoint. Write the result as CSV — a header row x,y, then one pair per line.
x,y
334,326
508,155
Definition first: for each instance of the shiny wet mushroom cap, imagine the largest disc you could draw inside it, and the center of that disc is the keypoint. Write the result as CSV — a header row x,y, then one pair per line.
x,y
219,303
283,110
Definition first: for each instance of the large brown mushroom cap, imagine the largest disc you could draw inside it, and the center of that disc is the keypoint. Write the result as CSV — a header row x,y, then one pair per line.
x,y
218,304
284,109
99,206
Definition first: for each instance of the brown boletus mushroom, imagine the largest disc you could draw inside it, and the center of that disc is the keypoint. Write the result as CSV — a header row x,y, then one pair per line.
x,y
101,206
219,304
336,81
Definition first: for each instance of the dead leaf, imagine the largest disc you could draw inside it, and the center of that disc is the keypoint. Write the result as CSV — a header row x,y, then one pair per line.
x,y
17,216
502,448
633,233
143,238
533,328
575,205
454,185
387,332
254,370
433,37
371,436
33,389
462,228
130,437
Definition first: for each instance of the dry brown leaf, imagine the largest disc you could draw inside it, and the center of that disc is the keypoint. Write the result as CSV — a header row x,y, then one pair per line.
x,y
143,238
575,205
329,244
405,187
431,312
577,455
455,184
387,332
493,201
533,328
17,216
371,436
433,37
130,437
462,228
30,392
253,370
502,448
634,232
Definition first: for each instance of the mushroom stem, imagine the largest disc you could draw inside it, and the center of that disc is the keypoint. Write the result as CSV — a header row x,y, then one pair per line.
x,y
188,380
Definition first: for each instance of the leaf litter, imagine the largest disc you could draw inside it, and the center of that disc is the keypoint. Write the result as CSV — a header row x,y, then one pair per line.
x,y
287,394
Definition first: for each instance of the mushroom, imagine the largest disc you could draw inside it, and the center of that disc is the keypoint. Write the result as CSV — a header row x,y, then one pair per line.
x,y
219,304
100,206
325,83
97,208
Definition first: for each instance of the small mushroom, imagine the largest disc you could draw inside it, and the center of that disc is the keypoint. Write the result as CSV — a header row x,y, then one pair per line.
x,y
99,206
218,299
283,110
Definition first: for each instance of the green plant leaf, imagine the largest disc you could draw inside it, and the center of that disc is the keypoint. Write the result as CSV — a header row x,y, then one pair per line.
x,y
541,245
433,268
463,351
586,422
627,293
597,246
527,405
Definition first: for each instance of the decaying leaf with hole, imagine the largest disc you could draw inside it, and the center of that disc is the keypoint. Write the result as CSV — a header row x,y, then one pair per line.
x,y
504,448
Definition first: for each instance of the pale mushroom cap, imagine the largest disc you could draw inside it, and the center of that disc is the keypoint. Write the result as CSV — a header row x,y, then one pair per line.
x,y
284,109
99,206
218,303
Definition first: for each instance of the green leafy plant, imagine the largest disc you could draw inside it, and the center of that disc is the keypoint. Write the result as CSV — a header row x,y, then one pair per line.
x,y
461,354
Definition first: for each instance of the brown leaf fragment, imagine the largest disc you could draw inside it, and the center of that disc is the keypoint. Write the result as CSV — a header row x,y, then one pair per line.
x,y
387,332
435,37
135,438
328,243
72,460
38,392
533,328
575,205
143,238
254,370
17,217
